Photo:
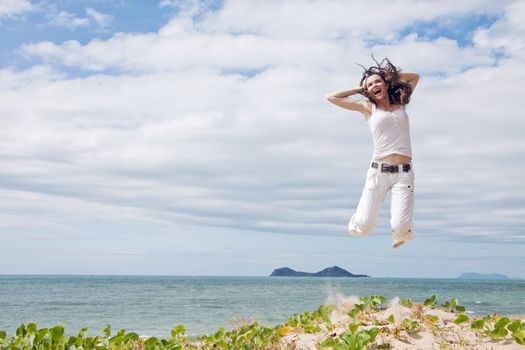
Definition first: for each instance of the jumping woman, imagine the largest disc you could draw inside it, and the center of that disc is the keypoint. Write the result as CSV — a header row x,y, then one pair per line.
x,y
387,92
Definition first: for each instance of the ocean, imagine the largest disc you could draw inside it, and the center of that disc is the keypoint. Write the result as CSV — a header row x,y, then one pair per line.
x,y
152,305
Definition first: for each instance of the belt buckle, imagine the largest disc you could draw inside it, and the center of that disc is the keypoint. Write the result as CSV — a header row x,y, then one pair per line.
x,y
386,168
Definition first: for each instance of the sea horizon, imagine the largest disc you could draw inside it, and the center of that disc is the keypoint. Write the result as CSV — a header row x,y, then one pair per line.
x,y
248,276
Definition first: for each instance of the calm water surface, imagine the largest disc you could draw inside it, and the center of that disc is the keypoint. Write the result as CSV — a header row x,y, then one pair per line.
x,y
152,305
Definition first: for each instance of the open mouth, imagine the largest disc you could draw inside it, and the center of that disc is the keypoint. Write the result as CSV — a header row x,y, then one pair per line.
x,y
376,92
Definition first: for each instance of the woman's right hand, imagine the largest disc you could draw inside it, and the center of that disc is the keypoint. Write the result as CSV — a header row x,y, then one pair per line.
x,y
363,87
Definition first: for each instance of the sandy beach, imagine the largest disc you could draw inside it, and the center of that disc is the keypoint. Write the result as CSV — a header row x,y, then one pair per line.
x,y
402,327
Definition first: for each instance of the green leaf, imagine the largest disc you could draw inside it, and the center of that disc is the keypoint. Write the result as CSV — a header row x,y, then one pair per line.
x,y
131,336
461,319
391,319
376,300
82,333
104,342
407,302
362,307
31,328
342,347
117,340
354,326
460,308
42,333
107,331
178,330
431,301
329,342
3,335
363,338
21,330
408,324
90,343
151,341
373,332
501,323
72,341
353,313
478,325
349,338
515,326
498,333
57,332
519,336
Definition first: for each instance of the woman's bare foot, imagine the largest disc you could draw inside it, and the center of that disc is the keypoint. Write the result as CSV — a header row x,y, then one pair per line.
x,y
397,244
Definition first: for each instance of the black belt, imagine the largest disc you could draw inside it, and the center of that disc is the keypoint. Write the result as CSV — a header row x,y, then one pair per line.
x,y
392,168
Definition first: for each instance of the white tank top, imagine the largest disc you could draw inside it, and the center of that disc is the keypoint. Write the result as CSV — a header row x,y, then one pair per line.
x,y
390,131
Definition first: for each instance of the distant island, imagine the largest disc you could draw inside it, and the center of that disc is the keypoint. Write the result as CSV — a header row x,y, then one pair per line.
x,y
334,271
482,276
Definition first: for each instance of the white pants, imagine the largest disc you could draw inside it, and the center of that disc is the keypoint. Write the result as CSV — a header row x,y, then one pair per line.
x,y
377,186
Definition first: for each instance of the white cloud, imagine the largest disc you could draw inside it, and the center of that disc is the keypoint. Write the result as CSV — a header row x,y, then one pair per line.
x,y
339,19
68,20
72,21
441,55
168,3
102,20
181,137
507,33
12,8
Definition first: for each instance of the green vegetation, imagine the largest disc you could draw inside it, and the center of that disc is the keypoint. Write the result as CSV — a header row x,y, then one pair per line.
x,y
362,332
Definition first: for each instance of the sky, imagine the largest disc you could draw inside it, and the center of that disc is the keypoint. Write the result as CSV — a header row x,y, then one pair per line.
x,y
194,137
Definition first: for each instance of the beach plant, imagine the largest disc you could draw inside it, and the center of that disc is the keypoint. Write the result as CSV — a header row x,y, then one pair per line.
x,y
431,301
407,302
431,319
453,306
408,325
248,337
3,338
462,318
374,301
309,323
496,327
500,330
353,339
358,310
303,322
322,314
517,329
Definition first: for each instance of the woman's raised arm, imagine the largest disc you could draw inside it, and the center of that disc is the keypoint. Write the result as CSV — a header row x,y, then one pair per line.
x,y
410,78
341,99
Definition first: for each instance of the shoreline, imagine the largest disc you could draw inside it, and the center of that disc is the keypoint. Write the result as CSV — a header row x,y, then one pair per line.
x,y
350,323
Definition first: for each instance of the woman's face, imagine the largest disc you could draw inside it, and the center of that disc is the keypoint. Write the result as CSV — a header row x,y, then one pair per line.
x,y
376,87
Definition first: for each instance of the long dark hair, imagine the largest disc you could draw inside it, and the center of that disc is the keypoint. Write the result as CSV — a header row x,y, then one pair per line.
x,y
398,91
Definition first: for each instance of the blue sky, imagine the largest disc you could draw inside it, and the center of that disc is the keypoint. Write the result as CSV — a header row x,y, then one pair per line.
x,y
194,138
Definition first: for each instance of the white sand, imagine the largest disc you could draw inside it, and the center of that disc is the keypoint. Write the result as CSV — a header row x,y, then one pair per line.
x,y
443,334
